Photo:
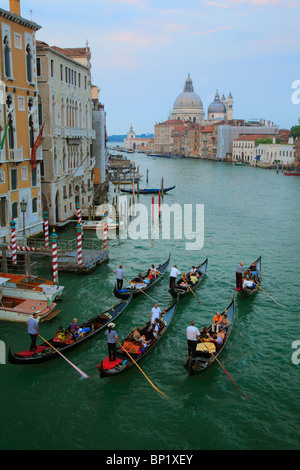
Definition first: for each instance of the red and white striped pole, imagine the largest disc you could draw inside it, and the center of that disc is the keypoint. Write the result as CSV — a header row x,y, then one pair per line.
x,y
159,203
46,226
105,236
54,238
152,207
79,244
79,214
13,241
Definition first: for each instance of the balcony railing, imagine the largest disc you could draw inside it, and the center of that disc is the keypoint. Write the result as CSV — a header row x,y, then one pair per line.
x,y
16,155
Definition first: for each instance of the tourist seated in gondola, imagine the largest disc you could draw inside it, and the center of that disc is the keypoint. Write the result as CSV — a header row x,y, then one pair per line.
x,y
136,336
249,284
216,322
183,281
81,332
74,326
139,279
253,271
192,279
153,271
204,334
224,323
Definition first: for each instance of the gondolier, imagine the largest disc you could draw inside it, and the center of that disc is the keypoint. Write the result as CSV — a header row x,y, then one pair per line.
x,y
33,329
173,275
239,276
112,338
192,334
120,276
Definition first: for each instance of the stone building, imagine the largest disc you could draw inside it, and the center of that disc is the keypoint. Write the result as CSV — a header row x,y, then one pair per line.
x,y
65,106
132,142
19,166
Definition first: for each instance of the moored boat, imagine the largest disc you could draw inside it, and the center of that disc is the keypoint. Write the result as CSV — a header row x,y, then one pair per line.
x,y
64,342
149,191
29,287
136,349
137,288
181,287
207,352
17,309
251,279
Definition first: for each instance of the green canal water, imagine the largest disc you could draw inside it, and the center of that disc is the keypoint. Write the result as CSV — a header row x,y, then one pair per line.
x,y
248,212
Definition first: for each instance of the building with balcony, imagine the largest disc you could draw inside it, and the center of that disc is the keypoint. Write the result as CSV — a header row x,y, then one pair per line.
x,y
19,178
65,106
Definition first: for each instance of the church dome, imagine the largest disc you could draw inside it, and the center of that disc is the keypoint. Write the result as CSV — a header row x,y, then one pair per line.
x,y
217,106
188,99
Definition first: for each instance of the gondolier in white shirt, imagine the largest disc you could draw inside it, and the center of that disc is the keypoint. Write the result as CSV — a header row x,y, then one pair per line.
x,y
173,275
33,330
120,276
192,334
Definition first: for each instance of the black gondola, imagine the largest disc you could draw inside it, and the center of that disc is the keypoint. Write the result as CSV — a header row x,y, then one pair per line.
x,y
182,290
135,291
123,361
149,191
45,352
250,290
204,357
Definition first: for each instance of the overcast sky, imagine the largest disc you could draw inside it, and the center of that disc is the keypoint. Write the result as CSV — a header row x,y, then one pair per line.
x,y
143,50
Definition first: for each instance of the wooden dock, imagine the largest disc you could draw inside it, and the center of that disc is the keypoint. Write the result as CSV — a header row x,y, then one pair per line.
x,y
68,263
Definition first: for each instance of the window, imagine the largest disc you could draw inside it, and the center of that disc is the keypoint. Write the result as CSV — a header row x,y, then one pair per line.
x,y
40,111
7,62
18,41
24,173
14,210
85,82
31,132
52,68
61,72
14,179
38,66
29,63
79,80
21,103
2,211
34,205
33,177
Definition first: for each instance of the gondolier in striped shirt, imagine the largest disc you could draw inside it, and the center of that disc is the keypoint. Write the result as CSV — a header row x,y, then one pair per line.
x,y
173,275
192,334
120,276
33,329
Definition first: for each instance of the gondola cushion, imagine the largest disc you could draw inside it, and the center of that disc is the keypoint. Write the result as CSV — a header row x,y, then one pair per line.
x,y
26,354
207,347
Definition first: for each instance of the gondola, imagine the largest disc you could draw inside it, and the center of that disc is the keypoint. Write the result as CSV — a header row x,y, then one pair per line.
x,y
123,361
45,352
204,358
142,287
182,290
149,191
248,290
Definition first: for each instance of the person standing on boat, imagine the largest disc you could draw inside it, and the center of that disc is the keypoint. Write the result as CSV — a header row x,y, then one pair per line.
x,y
173,275
120,276
112,338
239,276
192,334
33,330
155,314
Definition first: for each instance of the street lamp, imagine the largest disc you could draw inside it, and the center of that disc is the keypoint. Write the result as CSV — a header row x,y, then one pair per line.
x,y
23,205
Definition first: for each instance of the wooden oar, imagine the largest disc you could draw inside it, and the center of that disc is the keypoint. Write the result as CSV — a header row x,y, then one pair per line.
x,y
191,289
269,295
71,364
224,369
151,383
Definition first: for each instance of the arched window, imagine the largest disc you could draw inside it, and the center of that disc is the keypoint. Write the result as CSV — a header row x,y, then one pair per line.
x,y
65,161
53,111
11,137
62,112
34,205
7,64
14,210
31,132
29,63
55,167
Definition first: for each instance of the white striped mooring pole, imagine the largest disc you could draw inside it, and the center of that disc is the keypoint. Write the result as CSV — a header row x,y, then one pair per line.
x,y
13,241
79,244
46,227
54,238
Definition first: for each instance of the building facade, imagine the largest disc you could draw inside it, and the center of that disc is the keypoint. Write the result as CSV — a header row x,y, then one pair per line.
x,y
20,178
132,142
65,106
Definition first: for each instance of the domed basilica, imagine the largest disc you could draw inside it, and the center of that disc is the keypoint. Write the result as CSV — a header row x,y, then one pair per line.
x,y
188,106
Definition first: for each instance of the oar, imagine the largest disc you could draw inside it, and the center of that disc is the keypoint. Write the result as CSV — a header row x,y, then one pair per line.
x,y
269,295
191,289
151,383
71,364
224,369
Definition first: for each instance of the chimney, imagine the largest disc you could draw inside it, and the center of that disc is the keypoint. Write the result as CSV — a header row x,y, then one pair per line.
x,y
15,7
